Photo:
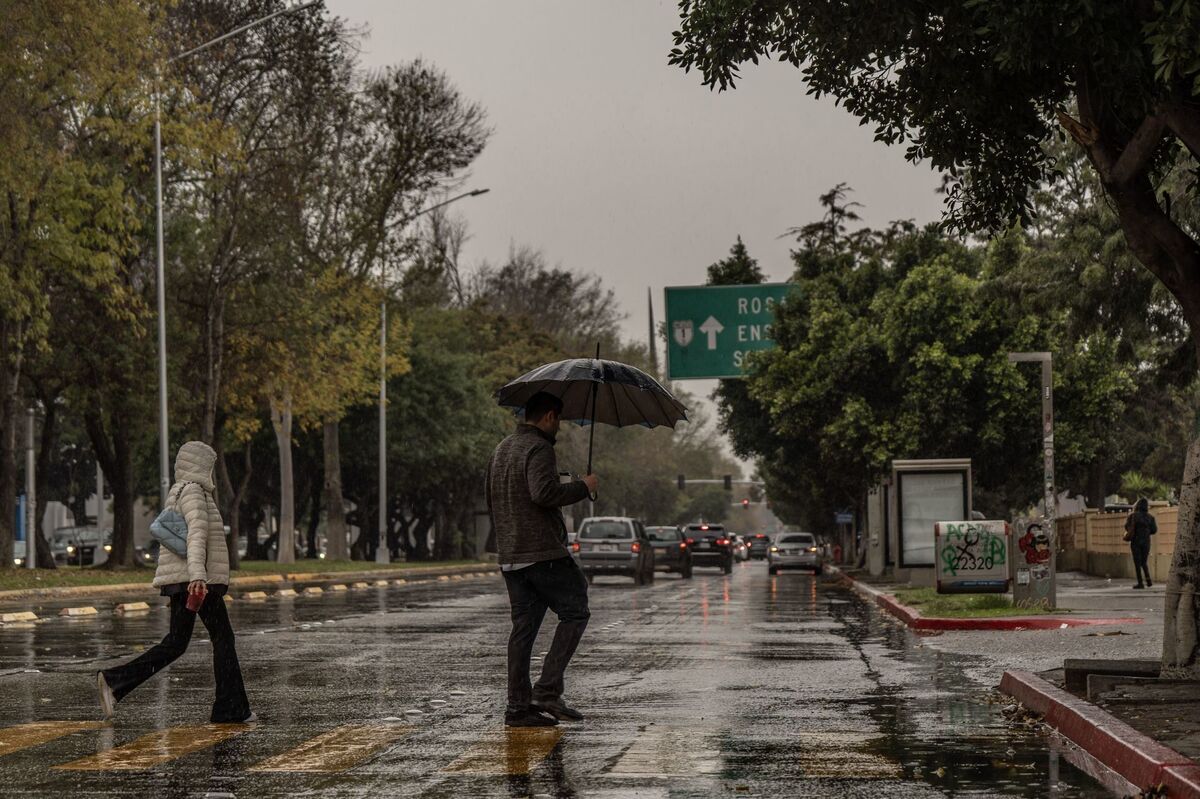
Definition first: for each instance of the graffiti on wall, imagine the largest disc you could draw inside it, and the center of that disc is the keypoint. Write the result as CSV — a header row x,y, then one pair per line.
x,y
972,556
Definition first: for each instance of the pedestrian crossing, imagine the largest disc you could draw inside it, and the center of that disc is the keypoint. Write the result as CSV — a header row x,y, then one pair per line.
x,y
157,748
336,750
23,736
509,752
657,751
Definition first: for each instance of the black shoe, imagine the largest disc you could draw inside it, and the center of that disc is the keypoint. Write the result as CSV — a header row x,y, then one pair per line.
x,y
528,718
558,710
1139,585
1149,584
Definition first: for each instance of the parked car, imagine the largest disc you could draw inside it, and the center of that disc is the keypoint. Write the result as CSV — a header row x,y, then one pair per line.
x,y
670,551
757,544
795,551
81,546
615,545
710,546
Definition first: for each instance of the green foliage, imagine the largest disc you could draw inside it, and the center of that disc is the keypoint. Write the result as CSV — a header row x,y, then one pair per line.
x,y
973,88
1135,485
894,345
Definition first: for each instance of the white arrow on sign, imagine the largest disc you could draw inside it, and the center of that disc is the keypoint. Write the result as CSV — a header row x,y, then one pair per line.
x,y
711,328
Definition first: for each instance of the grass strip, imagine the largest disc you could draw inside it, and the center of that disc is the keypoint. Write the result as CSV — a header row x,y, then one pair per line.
x,y
962,606
67,576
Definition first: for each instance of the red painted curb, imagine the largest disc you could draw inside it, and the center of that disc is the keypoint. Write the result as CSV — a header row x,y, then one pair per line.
x,y
913,618
1138,758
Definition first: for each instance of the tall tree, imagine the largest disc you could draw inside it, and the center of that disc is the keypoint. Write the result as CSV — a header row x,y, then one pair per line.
x,y
977,89
65,66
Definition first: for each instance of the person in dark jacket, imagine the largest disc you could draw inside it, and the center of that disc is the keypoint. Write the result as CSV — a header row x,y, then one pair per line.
x,y
524,495
1139,526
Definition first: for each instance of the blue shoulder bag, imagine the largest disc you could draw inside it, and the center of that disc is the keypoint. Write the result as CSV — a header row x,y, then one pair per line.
x,y
170,529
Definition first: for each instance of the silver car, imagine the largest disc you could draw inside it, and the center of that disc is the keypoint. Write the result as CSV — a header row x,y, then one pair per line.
x,y
615,545
795,551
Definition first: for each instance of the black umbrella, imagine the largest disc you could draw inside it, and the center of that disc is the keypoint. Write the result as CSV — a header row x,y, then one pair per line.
x,y
595,390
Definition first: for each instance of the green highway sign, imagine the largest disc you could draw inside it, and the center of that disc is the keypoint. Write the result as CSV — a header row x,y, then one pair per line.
x,y
711,328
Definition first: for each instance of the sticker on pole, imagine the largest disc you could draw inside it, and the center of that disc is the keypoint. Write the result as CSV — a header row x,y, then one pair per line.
x,y
972,557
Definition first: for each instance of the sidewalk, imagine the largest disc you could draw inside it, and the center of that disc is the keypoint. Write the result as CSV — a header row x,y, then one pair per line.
x,y
1146,732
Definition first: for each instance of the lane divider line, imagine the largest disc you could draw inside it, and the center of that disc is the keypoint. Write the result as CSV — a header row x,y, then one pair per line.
x,y
339,749
158,747
35,733
511,751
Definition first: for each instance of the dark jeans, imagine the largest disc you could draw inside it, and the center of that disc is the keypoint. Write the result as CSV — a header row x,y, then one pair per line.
x,y
1141,559
231,704
560,586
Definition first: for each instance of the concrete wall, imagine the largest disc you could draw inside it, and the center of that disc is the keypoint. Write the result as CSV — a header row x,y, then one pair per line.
x,y
1090,542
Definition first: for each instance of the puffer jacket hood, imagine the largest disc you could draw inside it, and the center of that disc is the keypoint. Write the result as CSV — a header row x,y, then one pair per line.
x,y
194,464
192,497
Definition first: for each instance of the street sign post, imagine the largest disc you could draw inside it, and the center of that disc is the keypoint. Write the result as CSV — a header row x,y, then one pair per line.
x,y
710,329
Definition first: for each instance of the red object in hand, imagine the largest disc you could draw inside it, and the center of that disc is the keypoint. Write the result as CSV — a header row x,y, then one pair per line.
x,y
194,601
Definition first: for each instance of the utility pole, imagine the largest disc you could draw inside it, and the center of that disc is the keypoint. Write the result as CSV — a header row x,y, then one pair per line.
x,y
651,341
1047,591
30,494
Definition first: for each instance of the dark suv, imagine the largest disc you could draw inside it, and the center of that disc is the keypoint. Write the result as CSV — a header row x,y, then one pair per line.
x,y
709,545
671,552
758,544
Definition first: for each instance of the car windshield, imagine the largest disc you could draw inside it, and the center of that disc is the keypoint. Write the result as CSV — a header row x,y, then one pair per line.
x,y
606,530
662,534
798,539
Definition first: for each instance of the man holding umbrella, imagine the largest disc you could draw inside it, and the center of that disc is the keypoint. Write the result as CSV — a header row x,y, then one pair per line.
x,y
524,495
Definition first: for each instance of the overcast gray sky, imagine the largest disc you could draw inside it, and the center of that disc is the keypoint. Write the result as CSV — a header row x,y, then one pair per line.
x,y
614,163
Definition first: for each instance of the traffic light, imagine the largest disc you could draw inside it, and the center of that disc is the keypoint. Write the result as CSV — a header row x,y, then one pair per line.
x,y
728,482
745,504
682,482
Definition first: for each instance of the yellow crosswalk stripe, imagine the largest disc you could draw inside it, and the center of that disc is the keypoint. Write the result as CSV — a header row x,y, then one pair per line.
x,y
512,751
23,736
337,750
667,752
157,747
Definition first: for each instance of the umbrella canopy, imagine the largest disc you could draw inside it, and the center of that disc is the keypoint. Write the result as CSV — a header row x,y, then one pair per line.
x,y
623,395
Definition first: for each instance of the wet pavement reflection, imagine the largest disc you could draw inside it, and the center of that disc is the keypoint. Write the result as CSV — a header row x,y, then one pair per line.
x,y
747,685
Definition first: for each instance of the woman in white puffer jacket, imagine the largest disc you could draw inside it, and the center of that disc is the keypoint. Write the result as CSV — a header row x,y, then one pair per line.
x,y
204,573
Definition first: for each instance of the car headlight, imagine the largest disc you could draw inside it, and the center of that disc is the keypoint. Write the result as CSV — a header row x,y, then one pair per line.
x,y
18,561
108,547
70,549
774,549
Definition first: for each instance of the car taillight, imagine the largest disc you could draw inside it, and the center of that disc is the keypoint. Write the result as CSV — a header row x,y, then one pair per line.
x,y
722,542
635,547
683,544
574,546
691,541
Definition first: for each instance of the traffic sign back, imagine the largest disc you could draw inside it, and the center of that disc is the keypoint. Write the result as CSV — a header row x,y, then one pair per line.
x,y
711,328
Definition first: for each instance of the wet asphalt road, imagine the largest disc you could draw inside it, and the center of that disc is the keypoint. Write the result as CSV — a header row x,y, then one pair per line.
x,y
747,685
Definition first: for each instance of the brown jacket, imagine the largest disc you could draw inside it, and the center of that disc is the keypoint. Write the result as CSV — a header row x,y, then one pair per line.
x,y
524,497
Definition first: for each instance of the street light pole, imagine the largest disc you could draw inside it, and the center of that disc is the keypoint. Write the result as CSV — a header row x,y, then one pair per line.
x,y
164,466
382,554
